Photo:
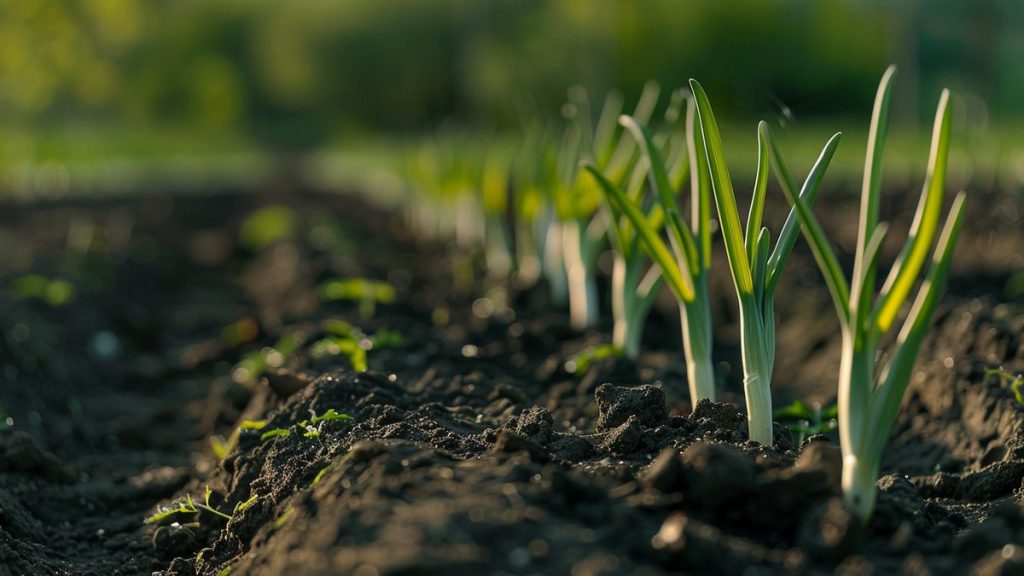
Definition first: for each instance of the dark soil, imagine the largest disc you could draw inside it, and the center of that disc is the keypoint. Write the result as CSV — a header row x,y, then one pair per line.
x,y
470,449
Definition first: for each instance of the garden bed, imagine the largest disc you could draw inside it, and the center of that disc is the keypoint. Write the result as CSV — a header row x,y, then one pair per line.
x,y
470,448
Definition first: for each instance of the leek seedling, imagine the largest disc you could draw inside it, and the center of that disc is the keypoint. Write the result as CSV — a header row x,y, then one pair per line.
x,y
685,266
869,397
577,202
755,268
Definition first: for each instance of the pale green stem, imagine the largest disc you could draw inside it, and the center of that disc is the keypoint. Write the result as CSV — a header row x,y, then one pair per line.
x,y
498,253
582,286
527,263
554,263
695,318
860,467
757,373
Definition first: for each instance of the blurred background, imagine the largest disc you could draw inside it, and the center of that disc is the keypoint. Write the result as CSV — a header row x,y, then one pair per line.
x,y
105,95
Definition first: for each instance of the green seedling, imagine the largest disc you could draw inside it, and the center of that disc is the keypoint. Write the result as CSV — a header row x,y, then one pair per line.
x,y
805,421
283,518
189,506
253,364
327,469
310,428
52,292
1015,383
240,332
685,265
223,448
578,364
870,395
338,346
267,226
755,266
577,201
367,293
275,433
347,340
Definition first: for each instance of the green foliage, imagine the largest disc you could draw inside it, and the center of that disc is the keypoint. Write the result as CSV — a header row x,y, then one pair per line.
x,y
275,433
188,506
755,267
367,293
805,421
54,292
310,427
578,364
223,448
1008,380
870,396
267,226
253,364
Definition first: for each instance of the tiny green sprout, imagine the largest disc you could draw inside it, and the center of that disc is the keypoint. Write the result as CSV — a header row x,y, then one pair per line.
x,y
1008,380
353,349
275,433
187,506
223,448
226,571
267,226
310,427
870,395
253,364
327,469
283,518
805,421
368,293
578,364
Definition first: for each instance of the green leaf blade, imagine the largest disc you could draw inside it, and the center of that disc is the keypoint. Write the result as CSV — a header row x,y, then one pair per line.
x,y
725,198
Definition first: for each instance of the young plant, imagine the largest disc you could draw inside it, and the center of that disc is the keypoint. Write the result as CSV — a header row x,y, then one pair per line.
x,y
190,506
684,267
755,267
804,420
870,395
577,203
1015,383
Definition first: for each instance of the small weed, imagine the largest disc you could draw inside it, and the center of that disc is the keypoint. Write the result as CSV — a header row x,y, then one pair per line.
x,y
580,363
368,293
267,226
255,363
275,433
190,506
1008,380
805,421
223,448
283,518
310,428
